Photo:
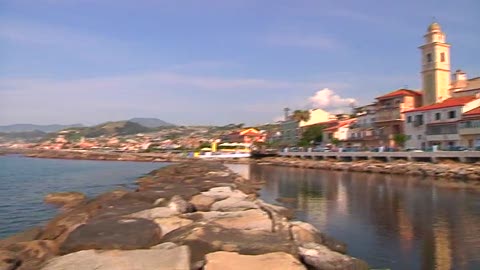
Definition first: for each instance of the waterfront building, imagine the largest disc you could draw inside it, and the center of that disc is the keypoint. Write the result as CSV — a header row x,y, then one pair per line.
x,y
316,116
362,133
389,117
448,117
438,124
469,129
338,134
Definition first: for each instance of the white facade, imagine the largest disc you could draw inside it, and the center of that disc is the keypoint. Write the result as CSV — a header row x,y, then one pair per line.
x,y
316,116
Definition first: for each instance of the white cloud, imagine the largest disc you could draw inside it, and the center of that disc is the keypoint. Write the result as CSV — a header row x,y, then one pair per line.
x,y
329,100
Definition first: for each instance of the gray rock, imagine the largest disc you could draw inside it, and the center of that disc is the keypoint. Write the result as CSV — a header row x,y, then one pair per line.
x,y
177,258
178,204
114,233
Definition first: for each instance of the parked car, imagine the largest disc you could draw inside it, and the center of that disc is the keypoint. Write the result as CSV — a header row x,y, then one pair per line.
x,y
320,149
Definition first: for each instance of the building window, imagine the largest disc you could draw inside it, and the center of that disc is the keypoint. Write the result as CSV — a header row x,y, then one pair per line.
x,y
419,137
409,119
437,116
429,57
442,57
451,114
409,137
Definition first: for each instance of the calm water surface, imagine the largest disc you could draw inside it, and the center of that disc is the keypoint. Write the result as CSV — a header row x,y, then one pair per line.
x,y
25,181
391,222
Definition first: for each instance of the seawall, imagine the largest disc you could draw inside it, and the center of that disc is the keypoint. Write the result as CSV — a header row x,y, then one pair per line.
x,y
190,215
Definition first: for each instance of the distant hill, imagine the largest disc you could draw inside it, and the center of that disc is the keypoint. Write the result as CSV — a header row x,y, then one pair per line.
x,y
23,135
113,129
150,122
31,127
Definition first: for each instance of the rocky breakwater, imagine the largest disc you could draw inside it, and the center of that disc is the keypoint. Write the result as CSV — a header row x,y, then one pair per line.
x,y
442,170
102,155
195,215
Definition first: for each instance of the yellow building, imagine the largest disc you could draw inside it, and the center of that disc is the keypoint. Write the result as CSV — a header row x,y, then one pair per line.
x,y
435,66
316,116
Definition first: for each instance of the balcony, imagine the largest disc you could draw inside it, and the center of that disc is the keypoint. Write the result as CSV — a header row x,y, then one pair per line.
x,y
469,128
388,115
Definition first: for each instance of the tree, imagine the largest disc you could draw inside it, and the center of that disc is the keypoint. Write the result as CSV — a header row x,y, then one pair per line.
x,y
335,141
400,139
300,115
312,134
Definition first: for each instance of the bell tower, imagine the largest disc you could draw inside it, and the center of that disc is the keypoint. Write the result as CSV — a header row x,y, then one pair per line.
x,y
435,66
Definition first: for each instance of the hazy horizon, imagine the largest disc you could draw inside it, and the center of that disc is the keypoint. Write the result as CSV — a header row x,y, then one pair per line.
x,y
214,62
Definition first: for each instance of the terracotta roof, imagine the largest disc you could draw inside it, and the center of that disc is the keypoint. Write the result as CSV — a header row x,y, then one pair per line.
x,y
340,124
475,111
449,102
400,92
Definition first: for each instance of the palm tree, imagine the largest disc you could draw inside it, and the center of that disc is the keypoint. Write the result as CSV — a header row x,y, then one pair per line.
x,y
300,115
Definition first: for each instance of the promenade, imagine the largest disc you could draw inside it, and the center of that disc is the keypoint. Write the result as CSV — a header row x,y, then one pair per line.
x,y
434,157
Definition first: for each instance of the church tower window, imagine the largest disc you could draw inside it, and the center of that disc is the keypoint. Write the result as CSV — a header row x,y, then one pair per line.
x,y
429,57
442,57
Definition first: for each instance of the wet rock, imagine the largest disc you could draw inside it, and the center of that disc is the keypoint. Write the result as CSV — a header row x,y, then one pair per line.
x,y
62,198
114,233
176,258
233,261
321,258
33,253
149,196
303,233
202,202
28,235
9,260
171,223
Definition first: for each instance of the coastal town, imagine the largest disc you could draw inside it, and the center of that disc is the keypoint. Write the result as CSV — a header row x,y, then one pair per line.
x,y
443,115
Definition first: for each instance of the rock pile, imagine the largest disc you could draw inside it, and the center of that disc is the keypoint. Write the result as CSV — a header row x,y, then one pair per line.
x,y
193,215
446,170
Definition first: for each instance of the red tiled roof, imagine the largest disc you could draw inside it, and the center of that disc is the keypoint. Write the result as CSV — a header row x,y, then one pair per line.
x,y
400,92
449,102
475,111
340,124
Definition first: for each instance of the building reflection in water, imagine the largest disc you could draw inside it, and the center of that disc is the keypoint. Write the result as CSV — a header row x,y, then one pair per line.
x,y
391,221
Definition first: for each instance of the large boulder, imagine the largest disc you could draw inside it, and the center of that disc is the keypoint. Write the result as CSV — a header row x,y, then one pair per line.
x,y
245,220
206,238
176,258
169,224
153,213
66,199
322,258
202,202
222,193
222,260
233,204
113,233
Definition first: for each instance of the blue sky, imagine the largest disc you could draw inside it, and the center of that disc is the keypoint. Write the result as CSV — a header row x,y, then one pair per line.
x,y
214,61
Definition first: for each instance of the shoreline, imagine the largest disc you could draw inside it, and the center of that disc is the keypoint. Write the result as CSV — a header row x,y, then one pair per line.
x,y
449,171
189,215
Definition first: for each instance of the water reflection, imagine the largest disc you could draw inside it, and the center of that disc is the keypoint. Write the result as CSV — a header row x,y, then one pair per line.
x,y
390,221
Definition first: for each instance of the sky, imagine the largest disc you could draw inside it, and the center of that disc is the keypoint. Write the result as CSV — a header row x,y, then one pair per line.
x,y
215,62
